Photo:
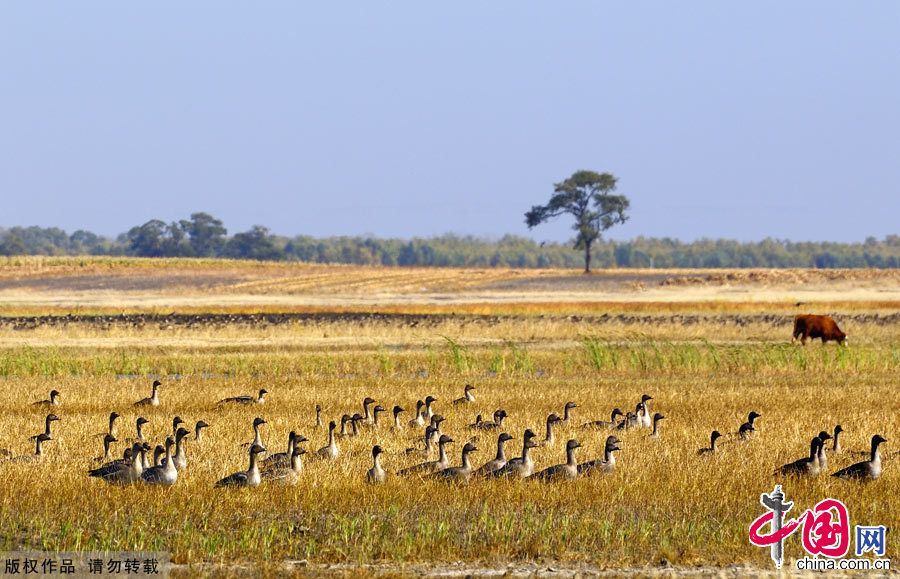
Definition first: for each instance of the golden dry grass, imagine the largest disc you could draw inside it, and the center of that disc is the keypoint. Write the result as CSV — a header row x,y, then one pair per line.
x,y
663,502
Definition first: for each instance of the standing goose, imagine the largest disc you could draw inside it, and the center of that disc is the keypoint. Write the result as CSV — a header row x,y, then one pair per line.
x,y
376,474
287,473
126,459
158,453
604,424
712,444
644,411
247,399
111,428
656,418
108,439
867,469
522,466
836,447
123,472
429,411
748,428
499,416
164,474
419,420
806,466
180,458
823,459
138,430
499,461
550,438
318,416
331,450
605,465
367,416
430,434
257,437
198,430
39,440
433,465
248,478
567,471
355,421
53,401
467,396
567,413
397,411
154,396
632,419
436,421
47,421
283,459
375,412
462,473
345,419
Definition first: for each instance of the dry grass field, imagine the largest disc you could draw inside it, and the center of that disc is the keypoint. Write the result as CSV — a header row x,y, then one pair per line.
x,y
709,346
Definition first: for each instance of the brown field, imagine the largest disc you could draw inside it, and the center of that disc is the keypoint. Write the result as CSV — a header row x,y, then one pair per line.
x,y
709,346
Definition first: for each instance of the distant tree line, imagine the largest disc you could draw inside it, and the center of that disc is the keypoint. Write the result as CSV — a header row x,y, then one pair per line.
x,y
205,236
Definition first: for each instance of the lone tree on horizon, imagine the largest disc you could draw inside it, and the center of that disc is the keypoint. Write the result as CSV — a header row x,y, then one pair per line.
x,y
587,196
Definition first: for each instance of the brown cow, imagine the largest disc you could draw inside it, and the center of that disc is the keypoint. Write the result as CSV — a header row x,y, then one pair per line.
x,y
813,326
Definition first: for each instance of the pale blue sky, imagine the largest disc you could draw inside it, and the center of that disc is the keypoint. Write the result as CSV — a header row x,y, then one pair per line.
x,y
407,119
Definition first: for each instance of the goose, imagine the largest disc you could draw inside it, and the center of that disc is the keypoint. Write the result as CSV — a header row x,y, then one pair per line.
x,y
644,412
198,430
836,447
158,453
656,418
567,471
462,473
111,429
499,416
163,474
176,422
632,419
433,465
39,440
550,438
368,401
47,422
429,411
257,438
521,466
138,430
375,412
867,469
430,434
747,428
376,474
248,478
53,401
247,399
154,396
823,459
419,420
436,421
287,473
127,457
397,411
355,420
123,472
345,419
467,396
180,457
605,465
108,439
318,416
283,459
331,450
567,412
499,461
604,424
712,444
806,466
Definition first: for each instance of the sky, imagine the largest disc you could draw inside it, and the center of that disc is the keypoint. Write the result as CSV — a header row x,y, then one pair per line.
x,y
401,119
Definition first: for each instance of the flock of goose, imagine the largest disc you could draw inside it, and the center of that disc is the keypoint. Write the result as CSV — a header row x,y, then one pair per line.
x,y
137,466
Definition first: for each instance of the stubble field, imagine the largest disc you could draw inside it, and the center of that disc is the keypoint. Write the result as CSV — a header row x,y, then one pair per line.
x,y
708,349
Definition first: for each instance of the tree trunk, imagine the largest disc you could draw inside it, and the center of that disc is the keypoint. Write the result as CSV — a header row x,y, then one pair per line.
x,y
587,257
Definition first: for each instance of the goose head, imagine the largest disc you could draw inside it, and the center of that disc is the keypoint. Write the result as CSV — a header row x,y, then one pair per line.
x,y
258,421
376,450
181,433
398,409
572,444
504,436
